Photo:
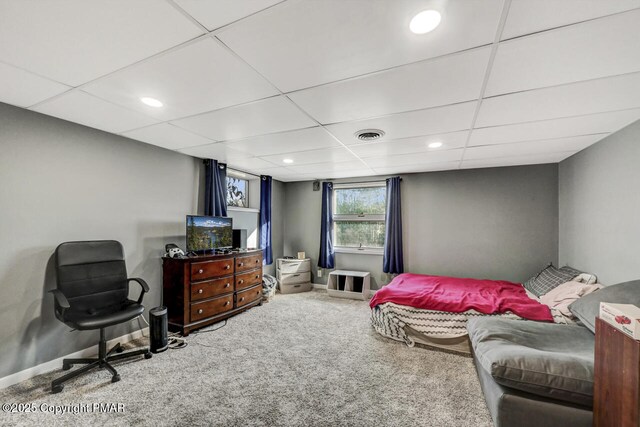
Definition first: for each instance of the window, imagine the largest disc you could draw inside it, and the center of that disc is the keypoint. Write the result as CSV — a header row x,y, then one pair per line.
x,y
358,217
237,192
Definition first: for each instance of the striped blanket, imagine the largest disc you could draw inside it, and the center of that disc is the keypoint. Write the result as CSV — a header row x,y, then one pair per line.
x,y
390,320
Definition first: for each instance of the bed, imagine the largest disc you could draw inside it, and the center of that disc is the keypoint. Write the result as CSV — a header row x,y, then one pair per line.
x,y
434,310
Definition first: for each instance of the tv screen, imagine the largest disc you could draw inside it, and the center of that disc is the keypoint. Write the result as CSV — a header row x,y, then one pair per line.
x,y
206,233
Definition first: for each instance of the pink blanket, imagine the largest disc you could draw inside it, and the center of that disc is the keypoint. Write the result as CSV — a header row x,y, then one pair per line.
x,y
457,295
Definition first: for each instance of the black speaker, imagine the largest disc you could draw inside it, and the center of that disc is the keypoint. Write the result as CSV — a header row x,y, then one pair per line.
x,y
239,239
158,325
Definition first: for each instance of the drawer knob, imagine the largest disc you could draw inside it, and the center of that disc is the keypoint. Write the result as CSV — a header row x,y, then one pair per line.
x,y
241,281
200,311
241,264
242,299
200,271
257,292
226,267
227,285
257,277
226,303
257,261
199,291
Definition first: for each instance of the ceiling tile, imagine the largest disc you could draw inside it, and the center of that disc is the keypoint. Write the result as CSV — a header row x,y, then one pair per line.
x,y
353,167
201,76
555,128
599,48
442,81
248,164
415,123
526,16
167,136
79,107
338,154
217,151
74,41
410,145
574,143
270,115
429,167
278,143
24,89
415,159
517,160
215,14
593,96
323,41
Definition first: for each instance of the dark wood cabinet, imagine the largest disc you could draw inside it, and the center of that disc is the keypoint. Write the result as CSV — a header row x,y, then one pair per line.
x,y
616,388
199,291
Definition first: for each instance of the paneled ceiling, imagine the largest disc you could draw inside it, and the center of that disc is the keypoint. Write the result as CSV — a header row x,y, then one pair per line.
x,y
255,82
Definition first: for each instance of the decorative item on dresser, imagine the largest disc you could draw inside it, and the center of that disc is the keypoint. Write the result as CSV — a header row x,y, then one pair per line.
x,y
205,289
294,275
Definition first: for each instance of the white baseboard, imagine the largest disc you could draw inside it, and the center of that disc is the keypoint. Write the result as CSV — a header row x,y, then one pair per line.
x,y
319,286
57,363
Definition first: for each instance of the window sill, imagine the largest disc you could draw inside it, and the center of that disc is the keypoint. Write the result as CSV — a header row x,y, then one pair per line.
x,y
237,209
358,251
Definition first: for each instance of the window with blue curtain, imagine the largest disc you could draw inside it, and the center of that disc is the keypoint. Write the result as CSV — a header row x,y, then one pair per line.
x,y
326,258
265,219
393,262
215,188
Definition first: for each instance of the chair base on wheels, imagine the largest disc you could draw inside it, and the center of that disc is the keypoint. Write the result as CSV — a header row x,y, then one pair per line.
x,y
102,362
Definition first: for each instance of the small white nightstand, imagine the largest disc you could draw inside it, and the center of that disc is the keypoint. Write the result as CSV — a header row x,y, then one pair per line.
x,y
294,275
349,284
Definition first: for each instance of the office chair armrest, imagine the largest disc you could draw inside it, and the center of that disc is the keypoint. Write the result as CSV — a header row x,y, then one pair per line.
x,y
62,301
143,285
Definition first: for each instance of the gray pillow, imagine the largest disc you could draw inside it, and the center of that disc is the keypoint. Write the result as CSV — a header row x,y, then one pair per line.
x,y
587,308
546,359
549,279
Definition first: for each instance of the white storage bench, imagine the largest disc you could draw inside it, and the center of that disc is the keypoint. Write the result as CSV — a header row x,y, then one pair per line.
x,y
349,284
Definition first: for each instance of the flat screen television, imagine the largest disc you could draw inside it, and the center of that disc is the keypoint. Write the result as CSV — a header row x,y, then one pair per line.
x,y
208,233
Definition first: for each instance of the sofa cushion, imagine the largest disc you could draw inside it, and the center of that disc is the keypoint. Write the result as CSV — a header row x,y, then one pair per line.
x,y
587,308
549,278
549,360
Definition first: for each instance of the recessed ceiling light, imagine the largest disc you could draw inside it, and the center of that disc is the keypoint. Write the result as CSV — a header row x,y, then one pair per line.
x,y
425,21
436,144
287,160
151,102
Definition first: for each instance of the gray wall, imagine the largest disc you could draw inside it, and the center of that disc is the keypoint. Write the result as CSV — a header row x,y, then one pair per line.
x,y
499,223
61,182
600,207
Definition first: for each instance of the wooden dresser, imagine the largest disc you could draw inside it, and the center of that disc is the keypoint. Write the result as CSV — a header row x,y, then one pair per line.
x,y
616,388
202,290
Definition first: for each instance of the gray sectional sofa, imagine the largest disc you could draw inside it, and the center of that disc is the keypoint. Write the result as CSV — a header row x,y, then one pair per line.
x,y
541,374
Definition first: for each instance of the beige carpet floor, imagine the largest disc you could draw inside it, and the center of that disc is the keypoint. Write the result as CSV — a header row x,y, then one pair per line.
x,y
300,360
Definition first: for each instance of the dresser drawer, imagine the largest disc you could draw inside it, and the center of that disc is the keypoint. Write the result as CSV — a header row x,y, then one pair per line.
x,y
290,279
210,269
287,266
209,308
248,279
246,263
248,296
211,288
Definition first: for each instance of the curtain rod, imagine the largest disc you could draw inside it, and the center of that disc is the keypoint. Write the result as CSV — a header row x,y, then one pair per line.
x,y
359,182
234,169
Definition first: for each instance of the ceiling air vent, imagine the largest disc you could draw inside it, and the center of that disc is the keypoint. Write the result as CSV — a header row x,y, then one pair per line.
x,y
369,134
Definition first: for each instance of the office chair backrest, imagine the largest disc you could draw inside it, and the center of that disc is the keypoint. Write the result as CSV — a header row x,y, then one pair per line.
x,y
92,274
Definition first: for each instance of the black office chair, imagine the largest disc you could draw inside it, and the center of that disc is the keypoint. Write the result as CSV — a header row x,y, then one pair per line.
x,y
92,293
